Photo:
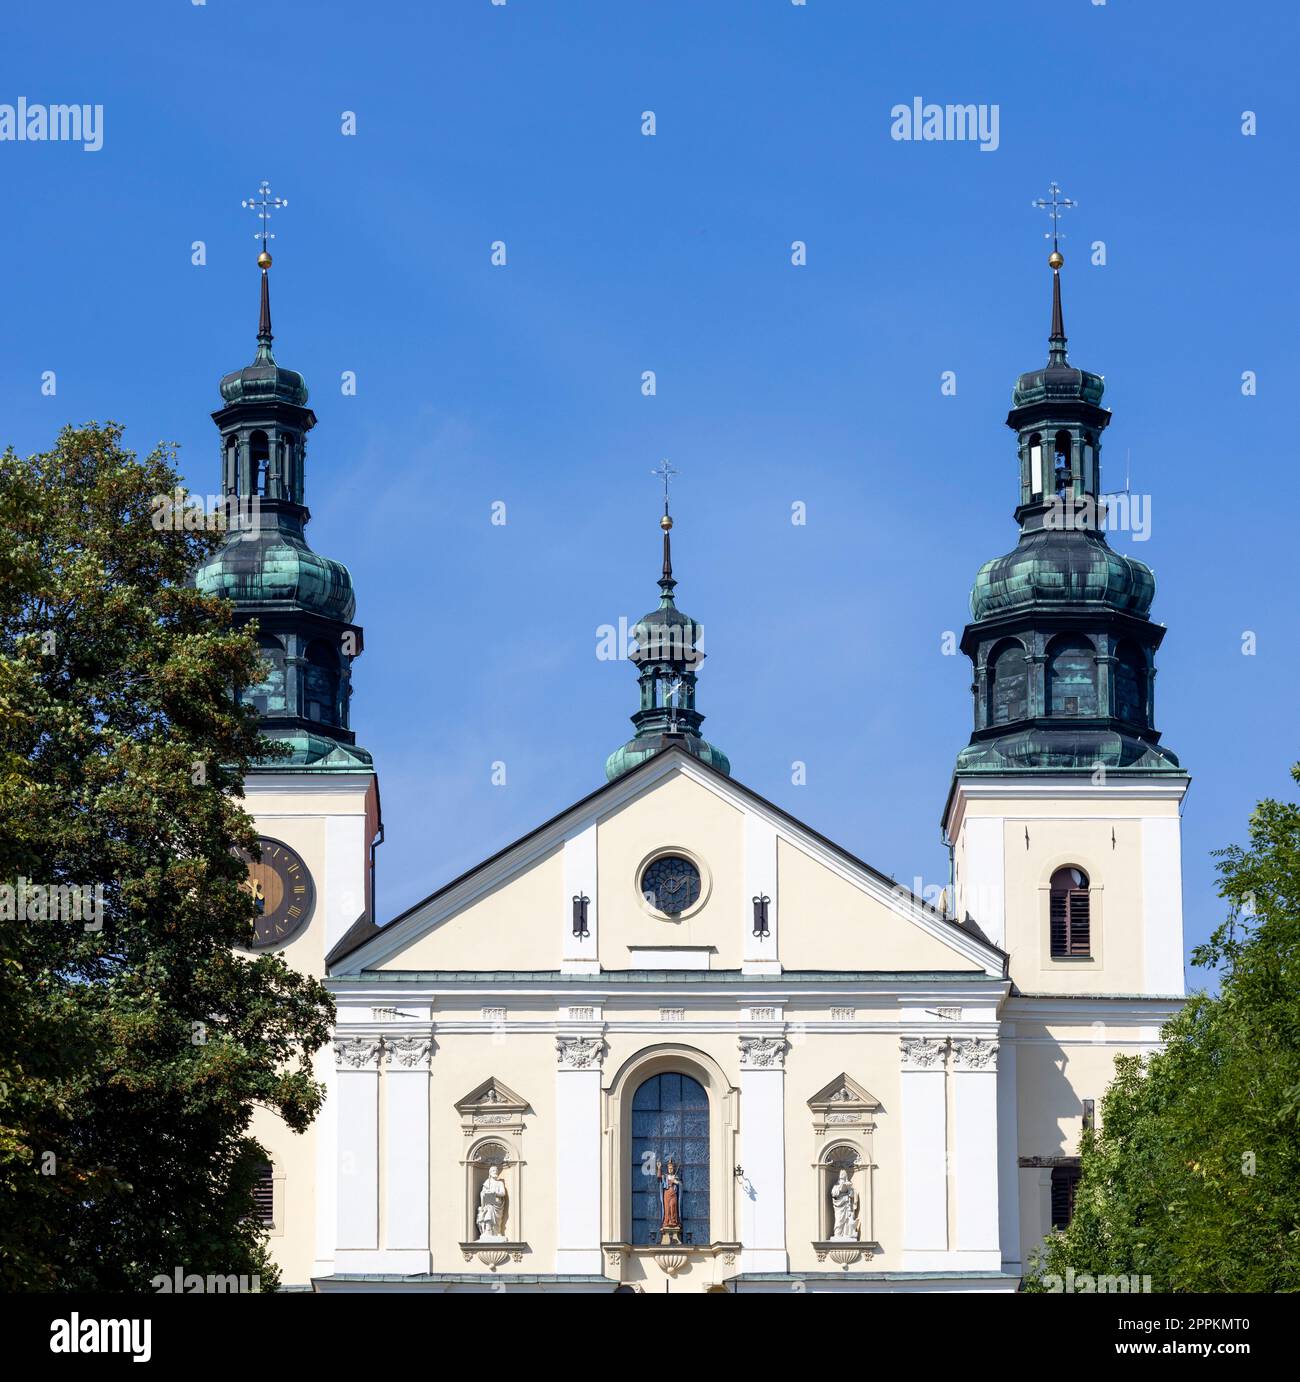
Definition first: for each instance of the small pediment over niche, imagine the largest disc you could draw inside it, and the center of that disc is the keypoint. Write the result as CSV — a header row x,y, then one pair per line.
x,y
492,1105
843,1102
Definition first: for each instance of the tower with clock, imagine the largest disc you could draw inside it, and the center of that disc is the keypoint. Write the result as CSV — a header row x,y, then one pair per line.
x,y
316,803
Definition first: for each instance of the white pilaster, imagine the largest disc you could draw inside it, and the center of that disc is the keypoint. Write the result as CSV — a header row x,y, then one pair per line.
x,y
344,888
577,1154
975,1146
984,882
762,1153
580,956
759,956
327,1164
924,1118
1162,905
1009,1152
357,1083
406,1153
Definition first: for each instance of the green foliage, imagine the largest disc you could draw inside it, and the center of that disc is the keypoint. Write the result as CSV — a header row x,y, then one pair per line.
x,y
130,1056
1194,1178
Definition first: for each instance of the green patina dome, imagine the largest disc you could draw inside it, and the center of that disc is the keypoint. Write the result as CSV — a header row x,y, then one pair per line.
x,y
1052,566
637,750
265,382
1075,747
275,566
308,750
1057,381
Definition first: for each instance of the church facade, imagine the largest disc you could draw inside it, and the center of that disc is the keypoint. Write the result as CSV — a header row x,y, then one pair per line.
x,y
674,1039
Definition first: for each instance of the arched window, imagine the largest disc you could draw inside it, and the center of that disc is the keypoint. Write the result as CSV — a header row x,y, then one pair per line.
x,y
670,1121
321,683
1071,923
1007,684
1071,677
268,696
1131,684
1061,446
1036,466
259,452
232,463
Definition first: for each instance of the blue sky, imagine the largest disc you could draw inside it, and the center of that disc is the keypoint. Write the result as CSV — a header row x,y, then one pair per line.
x,y
522,123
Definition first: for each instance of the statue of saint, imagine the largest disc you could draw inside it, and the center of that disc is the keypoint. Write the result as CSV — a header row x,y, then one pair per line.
x,y
670,1198
844,1206
491,1216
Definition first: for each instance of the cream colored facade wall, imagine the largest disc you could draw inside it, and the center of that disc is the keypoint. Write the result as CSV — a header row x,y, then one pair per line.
x,y
829,923
676,814
1103,837
512,927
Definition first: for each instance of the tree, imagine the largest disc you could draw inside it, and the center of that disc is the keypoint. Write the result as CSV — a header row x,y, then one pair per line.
x,y
1194,1177
134,1046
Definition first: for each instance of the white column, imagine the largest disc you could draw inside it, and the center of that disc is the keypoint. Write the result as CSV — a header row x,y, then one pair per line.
x,y
357,1083
762,1153
406,1153
975,1146
1162,905
577,1154
580,956
1009,1152
759,956
924,1115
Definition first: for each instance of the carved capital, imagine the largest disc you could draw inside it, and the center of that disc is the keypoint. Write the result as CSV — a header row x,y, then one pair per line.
x,y
976,1054
923,1053
579,1052
357,1052
408,1052
763,1052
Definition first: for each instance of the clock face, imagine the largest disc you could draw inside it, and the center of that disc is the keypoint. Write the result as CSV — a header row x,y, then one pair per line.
x,y
671,884
285,893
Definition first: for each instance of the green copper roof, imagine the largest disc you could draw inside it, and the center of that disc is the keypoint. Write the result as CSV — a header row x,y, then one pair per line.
x,y
315,751
273,564
1062,748
264,381
1050,567
639,748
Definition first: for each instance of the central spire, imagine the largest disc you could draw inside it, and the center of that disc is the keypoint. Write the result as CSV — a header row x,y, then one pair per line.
x,y
667,654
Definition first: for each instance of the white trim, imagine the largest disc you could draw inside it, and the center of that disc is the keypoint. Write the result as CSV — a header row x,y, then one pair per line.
x,y
580,878
1081,788
762,1154
760,856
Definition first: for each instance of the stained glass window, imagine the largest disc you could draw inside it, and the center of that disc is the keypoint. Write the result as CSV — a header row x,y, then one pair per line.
x,y
671,884
670,1118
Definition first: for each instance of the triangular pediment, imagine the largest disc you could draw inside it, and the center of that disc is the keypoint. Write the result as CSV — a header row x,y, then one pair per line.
x,y
511,914
492,1096
843,1092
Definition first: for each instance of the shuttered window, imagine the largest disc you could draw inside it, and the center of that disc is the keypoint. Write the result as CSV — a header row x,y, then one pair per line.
x,y
1070,914
264,1196
1065,1181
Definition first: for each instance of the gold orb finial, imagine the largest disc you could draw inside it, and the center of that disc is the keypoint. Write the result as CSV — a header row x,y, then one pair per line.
x,y
263,260
1056,259
665,523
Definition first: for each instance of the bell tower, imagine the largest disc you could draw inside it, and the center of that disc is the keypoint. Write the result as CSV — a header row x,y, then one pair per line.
x,y
1063,817
316,805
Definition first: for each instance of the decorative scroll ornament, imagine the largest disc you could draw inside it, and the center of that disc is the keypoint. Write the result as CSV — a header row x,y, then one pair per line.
x,y
977,1054
580,1053
357,1053
922,1053
763,1053
409,1051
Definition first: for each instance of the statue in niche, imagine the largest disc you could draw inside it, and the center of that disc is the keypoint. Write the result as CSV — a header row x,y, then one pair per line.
x,y
844,1209
491,1216
670,1202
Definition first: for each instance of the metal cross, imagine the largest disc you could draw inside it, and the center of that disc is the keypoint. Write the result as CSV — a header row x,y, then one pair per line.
x,y
665,472
264,203
1054,209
